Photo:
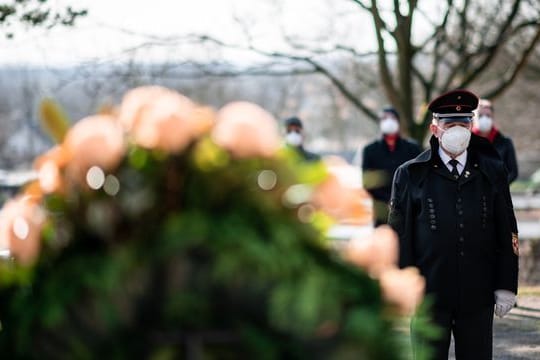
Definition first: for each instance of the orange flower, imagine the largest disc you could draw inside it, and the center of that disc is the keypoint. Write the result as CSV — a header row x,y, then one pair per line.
x,y
56,154
246,130
331,197
49,167
159,118
50,180
350,204
376,252
135,100
403,288
21,221
94,141
345,204
204,119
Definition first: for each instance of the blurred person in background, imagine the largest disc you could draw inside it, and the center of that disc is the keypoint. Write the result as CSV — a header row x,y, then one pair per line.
x,y
484,125
452,211
381,158
294,138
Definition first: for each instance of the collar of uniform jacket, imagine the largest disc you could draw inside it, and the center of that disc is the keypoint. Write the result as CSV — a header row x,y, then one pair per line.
x,y
477,146
461,159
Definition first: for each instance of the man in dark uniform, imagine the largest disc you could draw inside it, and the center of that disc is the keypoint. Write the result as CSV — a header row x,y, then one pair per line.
x,y
452,211
294,137
381,158
484,125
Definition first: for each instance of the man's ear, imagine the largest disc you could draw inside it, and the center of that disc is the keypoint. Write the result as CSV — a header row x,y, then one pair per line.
x,y
433,128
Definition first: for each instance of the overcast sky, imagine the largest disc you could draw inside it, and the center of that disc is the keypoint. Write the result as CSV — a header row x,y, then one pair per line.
x,y
114,26
113,29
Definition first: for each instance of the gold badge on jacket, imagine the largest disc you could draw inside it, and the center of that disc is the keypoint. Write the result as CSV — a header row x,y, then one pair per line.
x,y
515,243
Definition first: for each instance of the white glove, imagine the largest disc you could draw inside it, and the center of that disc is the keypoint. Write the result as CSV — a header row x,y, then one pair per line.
x,y
504,302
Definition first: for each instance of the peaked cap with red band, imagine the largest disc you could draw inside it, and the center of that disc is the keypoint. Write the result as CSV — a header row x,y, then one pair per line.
x,y
454,106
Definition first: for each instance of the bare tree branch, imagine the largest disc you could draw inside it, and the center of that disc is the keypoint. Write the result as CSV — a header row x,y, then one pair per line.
x,y
344,90
506,81
473,73
386,77
361,4
317,66
440,36
458,50
359,55
521,26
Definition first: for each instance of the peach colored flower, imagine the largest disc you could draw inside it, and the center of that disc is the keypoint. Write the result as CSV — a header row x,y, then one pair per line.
x,y
360,211
246,130
159,118
135,100
403,288
49,167
56,154
50,179
204,119
21,221
376,252
331,197
33,191
93,141
343,203
348,175
356,205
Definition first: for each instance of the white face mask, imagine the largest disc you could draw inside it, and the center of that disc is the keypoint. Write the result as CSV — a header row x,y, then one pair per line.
x,y
455,140
294,139
484,123
389,126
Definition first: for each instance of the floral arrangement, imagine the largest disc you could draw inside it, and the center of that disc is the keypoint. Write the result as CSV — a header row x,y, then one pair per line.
x,y
164,229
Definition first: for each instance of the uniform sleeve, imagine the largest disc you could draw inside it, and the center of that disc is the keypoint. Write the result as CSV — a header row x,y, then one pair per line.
x,y
400,216
370,176
507,246
375,180
366,166
511,162
504,188
366,159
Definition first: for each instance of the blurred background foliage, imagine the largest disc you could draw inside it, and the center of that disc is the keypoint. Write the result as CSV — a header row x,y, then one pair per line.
x,y
36,13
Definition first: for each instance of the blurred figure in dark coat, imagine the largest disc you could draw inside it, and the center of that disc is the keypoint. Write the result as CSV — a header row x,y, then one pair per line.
x,y
381,158
294,138
484,125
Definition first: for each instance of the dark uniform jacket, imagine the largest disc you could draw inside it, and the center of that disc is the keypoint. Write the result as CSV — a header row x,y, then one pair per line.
x,y
506,151
457,232
378,167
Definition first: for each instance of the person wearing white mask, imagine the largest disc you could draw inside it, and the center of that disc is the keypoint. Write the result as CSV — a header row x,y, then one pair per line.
x,y
294,138
452,211
381,158
484,125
